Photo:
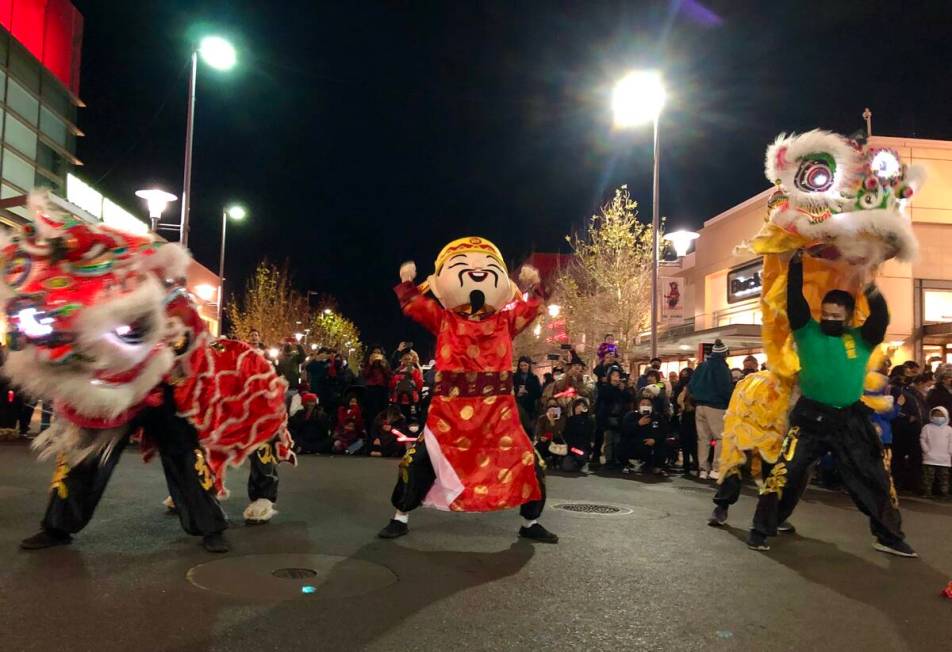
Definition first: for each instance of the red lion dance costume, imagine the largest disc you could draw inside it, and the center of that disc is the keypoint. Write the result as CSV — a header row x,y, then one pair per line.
x,y
474,455
101,324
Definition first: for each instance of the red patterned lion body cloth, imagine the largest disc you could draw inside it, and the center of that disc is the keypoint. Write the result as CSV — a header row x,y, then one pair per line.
x,y
102,326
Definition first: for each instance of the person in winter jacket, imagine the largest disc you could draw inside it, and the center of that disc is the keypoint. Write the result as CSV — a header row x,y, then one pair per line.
x,y
644,437
610,407
941,392
376,376
406,385
349,432
578,434
687,429
549,427
384,439
528,391
711,388
913,415
877,394
310,427
936,443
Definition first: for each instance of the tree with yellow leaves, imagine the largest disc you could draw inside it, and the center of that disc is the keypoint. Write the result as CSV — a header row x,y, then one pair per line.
x,y
331,329
607,286
269,304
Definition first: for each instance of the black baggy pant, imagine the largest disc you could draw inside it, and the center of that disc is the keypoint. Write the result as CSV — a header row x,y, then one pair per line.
x,y
263,475
849,435
76,491
417,476
728,491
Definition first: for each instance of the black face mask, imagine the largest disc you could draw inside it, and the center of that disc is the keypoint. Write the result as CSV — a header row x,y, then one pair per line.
x,y
832,327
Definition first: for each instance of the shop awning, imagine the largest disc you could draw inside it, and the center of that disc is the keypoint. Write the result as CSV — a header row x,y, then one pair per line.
x,y
683,341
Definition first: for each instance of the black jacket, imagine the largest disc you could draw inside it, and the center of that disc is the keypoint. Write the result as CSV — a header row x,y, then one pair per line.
x,y
579,432
939,396
530,400
634,432
610,406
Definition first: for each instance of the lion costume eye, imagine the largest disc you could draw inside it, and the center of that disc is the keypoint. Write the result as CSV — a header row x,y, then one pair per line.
x,y
815,174
135,333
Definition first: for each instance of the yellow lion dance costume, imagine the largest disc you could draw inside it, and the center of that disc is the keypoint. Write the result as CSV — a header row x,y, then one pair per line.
x,y
842,202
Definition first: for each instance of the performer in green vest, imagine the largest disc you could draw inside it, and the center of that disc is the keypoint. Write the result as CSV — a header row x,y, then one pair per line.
x,y
829,417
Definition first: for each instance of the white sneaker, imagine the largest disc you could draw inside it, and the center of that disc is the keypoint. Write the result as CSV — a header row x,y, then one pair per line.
x,y
714,475
702,475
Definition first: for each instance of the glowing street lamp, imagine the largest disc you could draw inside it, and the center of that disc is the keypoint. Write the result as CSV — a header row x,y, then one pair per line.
x,y
554,310
157,200
681,241
220,55
638,98
205,292
237,213
328,311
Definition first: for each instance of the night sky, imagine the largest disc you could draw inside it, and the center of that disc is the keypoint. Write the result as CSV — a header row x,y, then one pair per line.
x,y
361,134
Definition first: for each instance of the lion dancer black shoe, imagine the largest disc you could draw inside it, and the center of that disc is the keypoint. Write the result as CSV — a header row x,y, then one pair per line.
x,y
830,417
473,455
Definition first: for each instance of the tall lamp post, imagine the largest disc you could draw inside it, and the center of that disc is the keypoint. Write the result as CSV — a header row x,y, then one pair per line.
x,y
236,213
157,201
219,54
637,99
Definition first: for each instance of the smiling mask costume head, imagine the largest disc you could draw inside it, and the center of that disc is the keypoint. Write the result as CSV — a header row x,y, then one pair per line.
x,y
471,277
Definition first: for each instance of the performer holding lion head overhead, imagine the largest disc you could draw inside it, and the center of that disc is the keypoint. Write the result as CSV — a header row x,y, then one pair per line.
x,y
474,455
835,216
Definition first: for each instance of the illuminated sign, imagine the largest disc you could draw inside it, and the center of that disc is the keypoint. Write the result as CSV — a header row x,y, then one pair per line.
x,y
745,282
51,30
92,201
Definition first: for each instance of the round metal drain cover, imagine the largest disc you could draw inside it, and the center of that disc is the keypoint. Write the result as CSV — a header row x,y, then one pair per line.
x,y
594,509
291,576
294,573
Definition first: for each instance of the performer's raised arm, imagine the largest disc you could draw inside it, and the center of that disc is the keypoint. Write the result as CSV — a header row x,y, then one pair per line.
x,y
524,311
798,310
874,328
427,312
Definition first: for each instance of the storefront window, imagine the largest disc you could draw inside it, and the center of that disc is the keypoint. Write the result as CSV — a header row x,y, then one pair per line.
x,y
16,170
53,127
22,102
937,306
20,136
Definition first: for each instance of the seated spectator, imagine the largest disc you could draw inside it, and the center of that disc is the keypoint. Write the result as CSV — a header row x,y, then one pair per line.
x,y
310,427
384,438
548,428
644,437
349,431
578,434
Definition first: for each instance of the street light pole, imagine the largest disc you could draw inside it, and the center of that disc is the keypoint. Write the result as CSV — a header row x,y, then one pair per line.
x,y
655,227
189,128
221,269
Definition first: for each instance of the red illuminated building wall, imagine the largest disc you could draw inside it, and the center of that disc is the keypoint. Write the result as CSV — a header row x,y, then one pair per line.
x,y
52,30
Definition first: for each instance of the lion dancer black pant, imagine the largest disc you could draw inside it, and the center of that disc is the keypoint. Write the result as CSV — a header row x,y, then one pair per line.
x,y
417,476
849,435
263,478
76,491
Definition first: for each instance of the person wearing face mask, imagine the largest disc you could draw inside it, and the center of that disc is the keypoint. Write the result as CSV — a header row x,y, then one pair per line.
x,y
578,433
914,414
548,428
644,435
609,410
936,441
829,416
941,393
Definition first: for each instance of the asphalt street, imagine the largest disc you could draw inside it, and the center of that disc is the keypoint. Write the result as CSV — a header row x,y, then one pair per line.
x,y
652,577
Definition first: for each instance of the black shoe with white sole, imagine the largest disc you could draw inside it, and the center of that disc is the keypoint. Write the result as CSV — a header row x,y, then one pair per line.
x,y
718,517
899,548
786,528
757,541
538,533
394,529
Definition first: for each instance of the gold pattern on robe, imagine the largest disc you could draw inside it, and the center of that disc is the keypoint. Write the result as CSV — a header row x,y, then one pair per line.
x,y
505,442
466,413
463,443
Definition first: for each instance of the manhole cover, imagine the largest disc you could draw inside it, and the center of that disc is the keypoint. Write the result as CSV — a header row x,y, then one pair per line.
x,y
294,573
593,508
12,492
291,576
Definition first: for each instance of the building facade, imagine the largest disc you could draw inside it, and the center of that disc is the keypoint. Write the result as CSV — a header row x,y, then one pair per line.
x,y
722,289
40,46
